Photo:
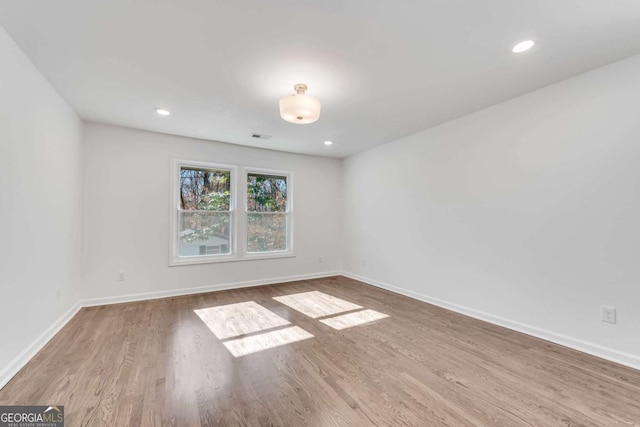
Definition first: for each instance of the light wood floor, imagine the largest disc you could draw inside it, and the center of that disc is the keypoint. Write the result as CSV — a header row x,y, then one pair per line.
x,y
157,363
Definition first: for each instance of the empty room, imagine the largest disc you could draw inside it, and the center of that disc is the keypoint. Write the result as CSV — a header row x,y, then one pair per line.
x,y
319,213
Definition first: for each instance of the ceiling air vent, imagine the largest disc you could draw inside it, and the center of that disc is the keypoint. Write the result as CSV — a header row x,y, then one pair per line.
x,y
260,136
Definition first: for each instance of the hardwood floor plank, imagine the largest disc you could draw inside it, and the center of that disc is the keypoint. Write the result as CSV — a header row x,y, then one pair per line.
x,y
157,363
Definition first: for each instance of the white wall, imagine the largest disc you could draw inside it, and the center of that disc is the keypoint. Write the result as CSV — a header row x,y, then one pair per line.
x,y
40,207
127,183
526,213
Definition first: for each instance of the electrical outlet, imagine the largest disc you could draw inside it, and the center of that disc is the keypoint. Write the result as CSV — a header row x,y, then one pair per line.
x,y
320,260
608,314
364,263
120,276
58,294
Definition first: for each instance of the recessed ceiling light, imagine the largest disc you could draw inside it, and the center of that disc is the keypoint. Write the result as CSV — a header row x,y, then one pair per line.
x,y
163,112
523,46
328,143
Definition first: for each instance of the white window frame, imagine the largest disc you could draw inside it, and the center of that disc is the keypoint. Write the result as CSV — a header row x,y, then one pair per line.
x,y
289,212
174,254
238,217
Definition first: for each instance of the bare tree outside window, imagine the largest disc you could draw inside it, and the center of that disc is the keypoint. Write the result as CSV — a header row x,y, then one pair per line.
x,y
267,213
205,222
205,217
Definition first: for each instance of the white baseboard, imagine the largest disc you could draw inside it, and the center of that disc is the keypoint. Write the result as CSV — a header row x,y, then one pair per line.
x,y
25,356
92,302
622,358
596,350
28,353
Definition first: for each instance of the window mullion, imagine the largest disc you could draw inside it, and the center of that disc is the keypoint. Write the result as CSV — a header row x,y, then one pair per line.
x,y
241,214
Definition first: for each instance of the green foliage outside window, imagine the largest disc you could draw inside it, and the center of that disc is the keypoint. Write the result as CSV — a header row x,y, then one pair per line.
x,y
266,217
266,193
204,190
205,204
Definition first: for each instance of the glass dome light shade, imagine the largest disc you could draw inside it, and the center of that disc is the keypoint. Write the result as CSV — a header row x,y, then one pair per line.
x,y
300,108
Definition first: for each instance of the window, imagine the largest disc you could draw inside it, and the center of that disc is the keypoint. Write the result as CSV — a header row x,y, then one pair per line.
x,y
267,225
204,212
208,228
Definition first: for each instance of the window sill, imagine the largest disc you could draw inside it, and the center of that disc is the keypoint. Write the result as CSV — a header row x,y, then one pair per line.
x,y
227,258
258,255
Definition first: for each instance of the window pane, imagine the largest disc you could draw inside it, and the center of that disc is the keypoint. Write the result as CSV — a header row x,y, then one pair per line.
x,y
266,193
204,233
202,189
266,232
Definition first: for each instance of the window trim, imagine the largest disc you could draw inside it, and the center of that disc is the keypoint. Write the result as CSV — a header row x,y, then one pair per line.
x,y
238,216
245,212
174,257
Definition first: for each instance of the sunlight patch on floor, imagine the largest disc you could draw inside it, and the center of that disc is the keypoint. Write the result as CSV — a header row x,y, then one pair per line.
x,y
264,329
232,320
252,344
353,319
316,304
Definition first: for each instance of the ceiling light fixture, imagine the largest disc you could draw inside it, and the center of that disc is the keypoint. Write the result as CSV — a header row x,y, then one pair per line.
x,y
523,46
300,108
163,112
328,143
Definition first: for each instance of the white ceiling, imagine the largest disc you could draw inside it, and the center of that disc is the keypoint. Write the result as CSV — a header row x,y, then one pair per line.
x,y
382,69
